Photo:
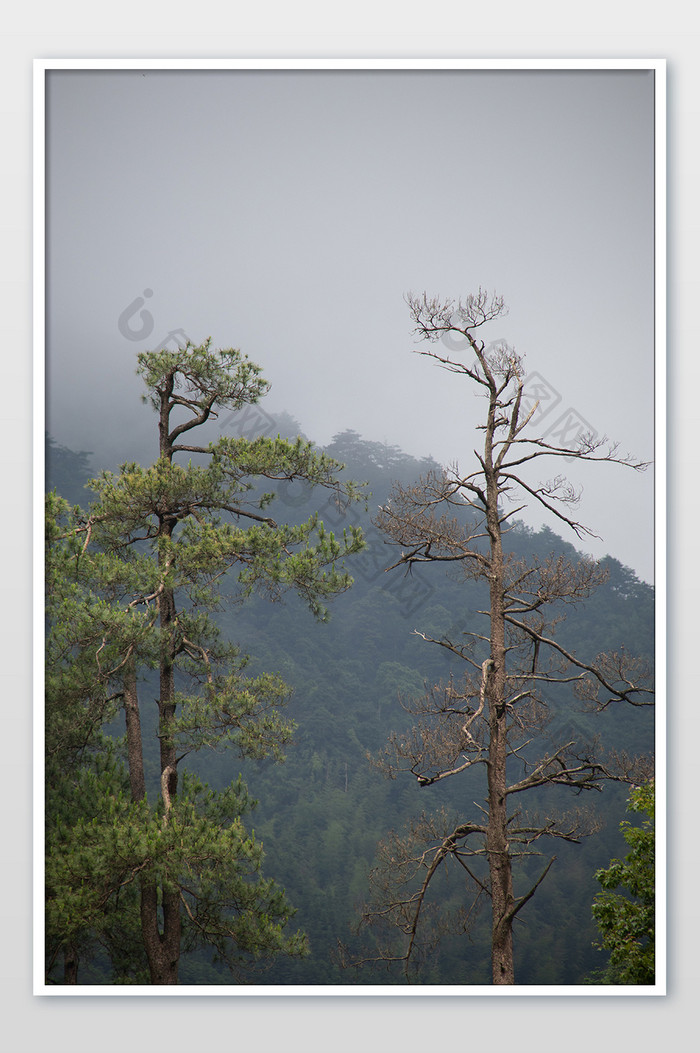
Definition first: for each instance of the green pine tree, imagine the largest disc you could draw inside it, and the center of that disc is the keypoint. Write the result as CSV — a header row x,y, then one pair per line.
x,y
131,587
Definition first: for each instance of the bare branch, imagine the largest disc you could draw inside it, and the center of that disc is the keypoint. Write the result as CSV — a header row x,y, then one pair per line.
x,y
495,716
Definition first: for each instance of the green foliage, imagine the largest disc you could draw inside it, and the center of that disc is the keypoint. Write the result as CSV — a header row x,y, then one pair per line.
x,y
84,772
223,377
132,586
90,893
201,848
627,921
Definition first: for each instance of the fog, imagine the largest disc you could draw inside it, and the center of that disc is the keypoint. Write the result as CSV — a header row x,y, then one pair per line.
x,y
288,213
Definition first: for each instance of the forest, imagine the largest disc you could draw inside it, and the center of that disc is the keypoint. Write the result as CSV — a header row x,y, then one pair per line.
x,y
331,649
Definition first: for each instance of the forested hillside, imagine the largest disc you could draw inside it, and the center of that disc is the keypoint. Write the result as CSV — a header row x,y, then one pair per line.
x,y
322,813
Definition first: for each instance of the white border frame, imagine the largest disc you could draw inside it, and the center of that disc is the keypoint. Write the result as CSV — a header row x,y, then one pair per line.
x,y
658,66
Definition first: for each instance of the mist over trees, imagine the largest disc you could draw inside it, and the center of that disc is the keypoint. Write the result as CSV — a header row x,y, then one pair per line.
x,y
321,814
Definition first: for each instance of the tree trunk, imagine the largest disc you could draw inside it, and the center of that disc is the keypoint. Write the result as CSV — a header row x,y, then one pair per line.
x,y
162,948
70,965
134,744
161,923
500,868
500,864
163,945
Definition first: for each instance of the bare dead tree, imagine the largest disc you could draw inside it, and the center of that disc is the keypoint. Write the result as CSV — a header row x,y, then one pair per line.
x,y
493,719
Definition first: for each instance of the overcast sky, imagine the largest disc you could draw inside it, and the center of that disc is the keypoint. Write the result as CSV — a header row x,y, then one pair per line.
x,y
288,213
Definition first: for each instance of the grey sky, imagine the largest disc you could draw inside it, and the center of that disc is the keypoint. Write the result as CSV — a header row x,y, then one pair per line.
x,y
288,212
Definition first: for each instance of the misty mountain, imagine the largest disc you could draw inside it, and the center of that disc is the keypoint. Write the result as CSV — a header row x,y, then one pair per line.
x,y
322,813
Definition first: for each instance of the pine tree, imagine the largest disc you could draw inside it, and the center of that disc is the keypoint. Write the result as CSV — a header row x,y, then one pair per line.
x,y
133,584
